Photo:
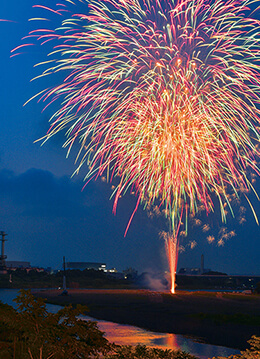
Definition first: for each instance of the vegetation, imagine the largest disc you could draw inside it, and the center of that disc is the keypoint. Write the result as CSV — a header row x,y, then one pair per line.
x,y
31,332
144,352
257,290
238,318
212,280
88,278
252,353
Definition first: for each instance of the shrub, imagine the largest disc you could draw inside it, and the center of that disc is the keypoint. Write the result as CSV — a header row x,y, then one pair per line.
x,y
144,352
252,353
34,333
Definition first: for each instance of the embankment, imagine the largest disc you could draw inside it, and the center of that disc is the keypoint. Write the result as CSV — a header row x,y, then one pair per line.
x,y
227,319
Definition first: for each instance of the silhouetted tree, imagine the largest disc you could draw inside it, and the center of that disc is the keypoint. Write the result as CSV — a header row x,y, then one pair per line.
x,y
252,353
34,333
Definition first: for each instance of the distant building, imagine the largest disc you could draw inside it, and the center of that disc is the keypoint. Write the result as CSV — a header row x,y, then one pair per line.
x,y
195,271
17,264
89,265
189,271
86,265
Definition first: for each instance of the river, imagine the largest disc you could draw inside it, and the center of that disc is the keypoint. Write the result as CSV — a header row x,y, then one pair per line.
x,y
130,335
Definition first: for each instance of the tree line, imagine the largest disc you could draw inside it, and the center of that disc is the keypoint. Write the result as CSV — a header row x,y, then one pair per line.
x,y
31,332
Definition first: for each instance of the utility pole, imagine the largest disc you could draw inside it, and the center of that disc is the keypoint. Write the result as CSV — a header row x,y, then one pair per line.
x,y
3,256
64,287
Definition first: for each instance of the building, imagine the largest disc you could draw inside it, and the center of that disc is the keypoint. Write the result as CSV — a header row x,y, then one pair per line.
x,y
195,271
189,271
17,264
89,265
86,265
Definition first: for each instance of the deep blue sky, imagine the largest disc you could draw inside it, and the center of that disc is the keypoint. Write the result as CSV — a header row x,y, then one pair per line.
x,y
45,212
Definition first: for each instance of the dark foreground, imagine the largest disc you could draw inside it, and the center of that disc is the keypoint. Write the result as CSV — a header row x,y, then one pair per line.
x,y
216,318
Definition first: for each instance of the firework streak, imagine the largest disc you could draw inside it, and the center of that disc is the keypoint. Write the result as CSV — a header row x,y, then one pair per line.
x,y
162,94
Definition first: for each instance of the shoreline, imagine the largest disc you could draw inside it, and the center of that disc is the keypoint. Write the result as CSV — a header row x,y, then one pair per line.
x,y
226,319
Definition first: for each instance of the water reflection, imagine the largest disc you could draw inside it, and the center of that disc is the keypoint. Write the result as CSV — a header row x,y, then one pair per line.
x,y
130,335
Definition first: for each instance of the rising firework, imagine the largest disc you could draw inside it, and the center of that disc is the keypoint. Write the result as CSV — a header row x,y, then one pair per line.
x,y
163,94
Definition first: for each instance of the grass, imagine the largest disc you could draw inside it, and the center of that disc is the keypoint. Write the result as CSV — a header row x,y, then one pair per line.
x,y
238,318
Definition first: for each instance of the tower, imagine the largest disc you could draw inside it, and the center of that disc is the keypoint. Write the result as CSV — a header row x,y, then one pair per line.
x,y
3,256
65,292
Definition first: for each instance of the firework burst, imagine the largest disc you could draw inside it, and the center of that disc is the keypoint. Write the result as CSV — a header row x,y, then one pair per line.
x,y
163,94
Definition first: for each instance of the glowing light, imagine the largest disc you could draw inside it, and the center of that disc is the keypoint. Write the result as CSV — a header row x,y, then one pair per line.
x,y
171,244
163,94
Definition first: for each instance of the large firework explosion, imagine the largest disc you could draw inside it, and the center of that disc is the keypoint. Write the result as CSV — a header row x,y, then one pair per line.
x,y
162,94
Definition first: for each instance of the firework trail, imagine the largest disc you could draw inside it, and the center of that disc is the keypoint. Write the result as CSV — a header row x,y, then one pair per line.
x,y
163,94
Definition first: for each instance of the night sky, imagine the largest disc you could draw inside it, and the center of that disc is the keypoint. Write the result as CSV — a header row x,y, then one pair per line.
x,y
45,212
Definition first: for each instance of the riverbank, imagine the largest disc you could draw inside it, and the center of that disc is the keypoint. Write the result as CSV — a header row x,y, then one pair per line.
x,y
226,319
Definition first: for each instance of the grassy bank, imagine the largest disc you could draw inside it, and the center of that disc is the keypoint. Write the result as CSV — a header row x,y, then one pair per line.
x,y
221,319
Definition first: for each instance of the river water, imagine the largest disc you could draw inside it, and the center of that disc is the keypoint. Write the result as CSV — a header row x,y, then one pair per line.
x,y
129,335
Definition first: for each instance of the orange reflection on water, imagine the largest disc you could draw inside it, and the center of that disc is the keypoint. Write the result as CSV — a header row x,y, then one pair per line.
x,y
123,334
171,341
126,334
